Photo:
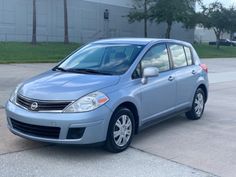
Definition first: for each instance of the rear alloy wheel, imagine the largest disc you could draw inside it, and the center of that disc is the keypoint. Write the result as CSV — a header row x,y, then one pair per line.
x,y
121,130
198,105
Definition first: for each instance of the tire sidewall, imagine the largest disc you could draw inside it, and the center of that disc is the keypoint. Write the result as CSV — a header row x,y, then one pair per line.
x,y
199,90
110,138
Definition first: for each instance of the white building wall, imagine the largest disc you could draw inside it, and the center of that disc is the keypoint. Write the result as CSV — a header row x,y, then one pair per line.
x,y
203,35
85,18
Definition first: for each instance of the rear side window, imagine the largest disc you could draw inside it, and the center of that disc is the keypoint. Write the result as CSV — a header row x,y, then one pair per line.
x,y
188,55
158,57
178,55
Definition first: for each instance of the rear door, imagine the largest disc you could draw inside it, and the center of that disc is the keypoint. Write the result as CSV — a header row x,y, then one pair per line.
x,y
186,74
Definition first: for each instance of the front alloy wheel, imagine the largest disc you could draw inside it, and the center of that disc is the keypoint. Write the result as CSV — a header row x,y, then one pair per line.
x,y
121,130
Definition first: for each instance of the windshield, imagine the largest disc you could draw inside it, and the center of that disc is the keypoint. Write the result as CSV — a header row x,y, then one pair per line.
x,y
110,59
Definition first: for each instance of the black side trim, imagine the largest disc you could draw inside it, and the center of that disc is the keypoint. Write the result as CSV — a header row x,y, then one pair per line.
x,y
161,119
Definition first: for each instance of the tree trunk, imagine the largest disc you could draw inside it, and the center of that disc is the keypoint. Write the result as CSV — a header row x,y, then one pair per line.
x,y
232,35
168,30
34,39
145,19
217,33
218,43
66,35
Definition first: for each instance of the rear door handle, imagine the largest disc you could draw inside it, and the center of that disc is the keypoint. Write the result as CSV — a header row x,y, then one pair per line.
x,y
194,72
171,78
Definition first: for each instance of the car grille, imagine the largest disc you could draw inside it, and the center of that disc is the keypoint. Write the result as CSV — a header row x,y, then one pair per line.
x,y
36,130
41,105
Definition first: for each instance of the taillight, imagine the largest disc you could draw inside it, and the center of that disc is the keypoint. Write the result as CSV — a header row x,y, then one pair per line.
x,y
204,67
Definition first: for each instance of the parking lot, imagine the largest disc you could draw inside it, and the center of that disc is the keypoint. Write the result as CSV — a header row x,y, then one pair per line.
x,y
175,148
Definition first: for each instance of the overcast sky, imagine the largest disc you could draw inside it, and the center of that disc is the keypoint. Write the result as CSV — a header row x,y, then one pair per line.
x,y
226,3
128,3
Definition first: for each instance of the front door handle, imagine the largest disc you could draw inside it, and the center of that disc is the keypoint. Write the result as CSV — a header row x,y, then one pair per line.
x,y
171,78
194,72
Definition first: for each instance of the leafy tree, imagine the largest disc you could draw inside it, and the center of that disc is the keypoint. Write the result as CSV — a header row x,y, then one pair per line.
x,y
66,33
214,17
140,12
182,11
231,20
34,39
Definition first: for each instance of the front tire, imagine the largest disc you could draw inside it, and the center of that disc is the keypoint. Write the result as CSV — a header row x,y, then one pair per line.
x,y
198,105
120,131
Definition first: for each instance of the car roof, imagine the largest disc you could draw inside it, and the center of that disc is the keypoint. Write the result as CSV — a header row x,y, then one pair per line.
x,y
138,41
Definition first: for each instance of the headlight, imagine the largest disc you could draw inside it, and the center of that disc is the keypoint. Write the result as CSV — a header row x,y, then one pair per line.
x,y
14,94
88,102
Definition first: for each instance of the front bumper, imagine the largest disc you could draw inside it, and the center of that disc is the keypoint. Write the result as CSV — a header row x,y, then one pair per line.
x,y
95,123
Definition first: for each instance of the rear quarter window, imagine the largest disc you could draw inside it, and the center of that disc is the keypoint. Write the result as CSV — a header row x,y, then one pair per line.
x,y
188,55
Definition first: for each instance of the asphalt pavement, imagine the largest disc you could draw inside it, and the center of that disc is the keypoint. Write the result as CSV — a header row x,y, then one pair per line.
x,y
174,148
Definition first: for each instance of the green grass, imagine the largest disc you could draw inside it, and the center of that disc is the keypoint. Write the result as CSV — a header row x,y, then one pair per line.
x,y
15,52
206,51
18,52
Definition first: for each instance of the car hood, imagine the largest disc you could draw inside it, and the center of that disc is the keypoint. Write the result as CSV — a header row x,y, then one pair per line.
x,y
56,85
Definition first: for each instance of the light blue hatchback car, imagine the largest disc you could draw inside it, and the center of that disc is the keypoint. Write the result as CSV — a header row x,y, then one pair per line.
x,y
109,90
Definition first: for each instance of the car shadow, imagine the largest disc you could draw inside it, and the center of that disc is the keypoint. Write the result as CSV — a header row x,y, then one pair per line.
x,y
162,128
70,152
97,151
75,152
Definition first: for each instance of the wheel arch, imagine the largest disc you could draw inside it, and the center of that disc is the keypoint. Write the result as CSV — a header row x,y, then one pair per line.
x,y
204,88
133,108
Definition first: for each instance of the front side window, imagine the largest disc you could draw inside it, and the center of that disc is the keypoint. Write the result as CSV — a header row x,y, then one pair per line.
x,y
158,57
178,55
112,59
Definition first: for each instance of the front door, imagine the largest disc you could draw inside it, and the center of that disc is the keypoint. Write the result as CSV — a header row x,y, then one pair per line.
x,y
159,94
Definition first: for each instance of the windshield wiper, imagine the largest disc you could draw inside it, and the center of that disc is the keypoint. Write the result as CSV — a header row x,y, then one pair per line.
x,y
59,69
88,71
83,71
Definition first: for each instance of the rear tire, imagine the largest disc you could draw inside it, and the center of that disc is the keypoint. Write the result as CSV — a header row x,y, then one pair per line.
x,y
120,131
198,105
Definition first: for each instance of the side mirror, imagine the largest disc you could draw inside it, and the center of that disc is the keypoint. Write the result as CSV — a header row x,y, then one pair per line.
x,y
149,72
